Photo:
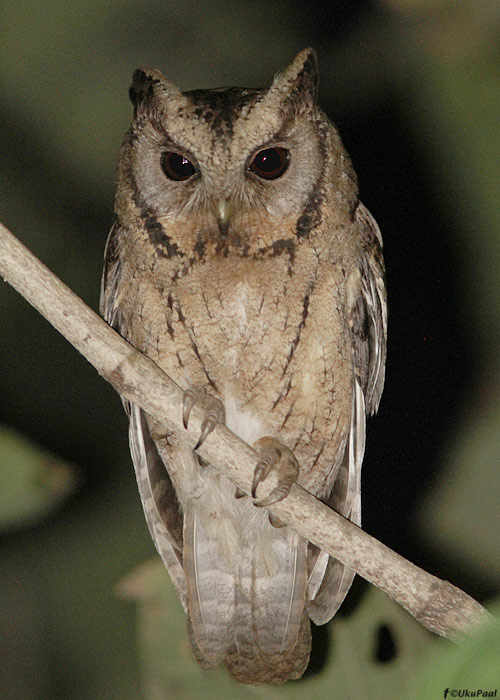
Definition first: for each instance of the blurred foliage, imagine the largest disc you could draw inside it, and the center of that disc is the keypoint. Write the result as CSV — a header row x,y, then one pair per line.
x,y
471,665
414,86
32,481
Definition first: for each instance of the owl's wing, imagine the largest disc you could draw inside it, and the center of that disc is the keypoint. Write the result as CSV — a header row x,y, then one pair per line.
x,y
159,500
157,492
330,580
367,308
109,304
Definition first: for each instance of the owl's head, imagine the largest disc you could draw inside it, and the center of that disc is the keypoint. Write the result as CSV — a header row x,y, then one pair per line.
x,y
232,170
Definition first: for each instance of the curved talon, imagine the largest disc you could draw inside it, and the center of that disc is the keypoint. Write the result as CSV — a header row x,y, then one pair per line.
x,y
277,494
187,406
264,466
209,423
261,471
274,455
239,493
214,411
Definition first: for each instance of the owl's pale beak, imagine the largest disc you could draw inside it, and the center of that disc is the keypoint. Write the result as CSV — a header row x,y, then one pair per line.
x,y
223,211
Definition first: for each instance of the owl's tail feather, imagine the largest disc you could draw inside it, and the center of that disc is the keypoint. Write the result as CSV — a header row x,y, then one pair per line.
x,y
247,663
210,589
251,617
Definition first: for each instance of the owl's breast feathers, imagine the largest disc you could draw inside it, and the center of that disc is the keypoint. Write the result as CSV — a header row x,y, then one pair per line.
x,y
266,337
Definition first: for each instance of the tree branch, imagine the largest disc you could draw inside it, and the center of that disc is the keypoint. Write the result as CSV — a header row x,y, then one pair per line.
x,y
436,604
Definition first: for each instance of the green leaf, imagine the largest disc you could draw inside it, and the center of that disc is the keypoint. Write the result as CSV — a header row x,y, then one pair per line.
x,y
32,480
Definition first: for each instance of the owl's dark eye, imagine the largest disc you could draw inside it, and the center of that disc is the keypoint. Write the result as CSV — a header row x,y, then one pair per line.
x,y
270,163
176,166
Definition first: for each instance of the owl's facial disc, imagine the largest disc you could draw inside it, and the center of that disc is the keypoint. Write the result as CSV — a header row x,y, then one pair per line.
x,y
268,163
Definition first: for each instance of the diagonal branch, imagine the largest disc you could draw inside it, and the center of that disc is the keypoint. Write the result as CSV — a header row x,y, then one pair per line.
x,y
436,604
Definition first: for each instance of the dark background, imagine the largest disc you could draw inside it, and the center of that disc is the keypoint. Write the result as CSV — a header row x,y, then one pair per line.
x,y
414,89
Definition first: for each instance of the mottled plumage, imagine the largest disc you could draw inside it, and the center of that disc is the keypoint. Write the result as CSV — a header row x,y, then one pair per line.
x,y
242,262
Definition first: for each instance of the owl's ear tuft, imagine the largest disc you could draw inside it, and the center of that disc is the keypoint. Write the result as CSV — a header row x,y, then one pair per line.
x,y
147,83
142,87
299,82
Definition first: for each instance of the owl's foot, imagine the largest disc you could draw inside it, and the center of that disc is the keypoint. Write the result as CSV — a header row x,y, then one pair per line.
x,y
274,455
214,411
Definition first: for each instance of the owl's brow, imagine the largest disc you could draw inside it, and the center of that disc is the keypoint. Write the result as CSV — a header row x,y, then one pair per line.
x,y
220,108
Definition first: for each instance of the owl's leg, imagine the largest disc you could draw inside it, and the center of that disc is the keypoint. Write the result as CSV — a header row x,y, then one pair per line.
x,y
214,411
274,455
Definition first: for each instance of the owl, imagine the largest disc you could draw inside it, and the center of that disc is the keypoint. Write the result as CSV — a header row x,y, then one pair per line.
x,y
242,262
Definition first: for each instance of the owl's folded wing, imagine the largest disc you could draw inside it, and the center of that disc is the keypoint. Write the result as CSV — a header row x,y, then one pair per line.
x,y
330,580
